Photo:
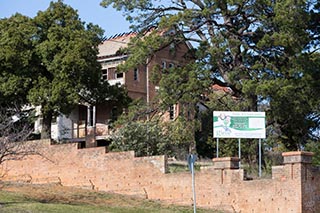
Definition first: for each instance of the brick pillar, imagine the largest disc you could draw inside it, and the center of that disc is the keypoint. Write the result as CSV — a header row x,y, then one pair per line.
x,y
91,127
298,172
296,163
226,163
228,169
297,157
90,137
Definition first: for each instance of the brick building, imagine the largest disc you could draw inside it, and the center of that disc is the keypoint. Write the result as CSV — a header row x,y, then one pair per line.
x,y
87,121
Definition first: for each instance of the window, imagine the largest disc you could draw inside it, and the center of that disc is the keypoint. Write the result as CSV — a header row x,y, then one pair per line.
x,y
104,74
90,112
136,74
171,65
189,114
163,65
119,75
171,112
114,113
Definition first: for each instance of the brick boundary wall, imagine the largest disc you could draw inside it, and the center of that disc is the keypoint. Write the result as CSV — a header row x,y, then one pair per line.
x,y
294,186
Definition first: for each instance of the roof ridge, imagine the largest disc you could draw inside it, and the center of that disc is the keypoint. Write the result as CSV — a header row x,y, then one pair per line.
x,y
118,35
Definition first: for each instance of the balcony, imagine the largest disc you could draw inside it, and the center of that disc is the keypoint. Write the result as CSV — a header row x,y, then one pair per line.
x,y
81,131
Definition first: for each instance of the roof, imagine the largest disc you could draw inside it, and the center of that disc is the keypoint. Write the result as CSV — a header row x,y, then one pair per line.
x,y
111,45
216,88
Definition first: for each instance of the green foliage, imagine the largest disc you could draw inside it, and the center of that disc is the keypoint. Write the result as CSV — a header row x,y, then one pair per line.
x,y
205,145
181,84
137,110
103,92
67,51
143,131
51,61
266,52
314,146
16,59
146,138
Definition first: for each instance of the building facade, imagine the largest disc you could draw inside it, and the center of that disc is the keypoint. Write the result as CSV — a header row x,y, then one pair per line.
x,y
91,124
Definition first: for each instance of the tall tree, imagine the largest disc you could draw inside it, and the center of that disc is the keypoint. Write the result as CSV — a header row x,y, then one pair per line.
x,y
66,49
16,60
264,51
51,61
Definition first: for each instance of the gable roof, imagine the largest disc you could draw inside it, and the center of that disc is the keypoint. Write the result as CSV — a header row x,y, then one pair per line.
x,y
111,45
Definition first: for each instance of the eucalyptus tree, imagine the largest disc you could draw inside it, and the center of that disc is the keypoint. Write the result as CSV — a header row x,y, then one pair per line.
x,y
266,52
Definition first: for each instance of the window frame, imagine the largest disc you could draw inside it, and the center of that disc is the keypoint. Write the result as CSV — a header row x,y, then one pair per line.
x,y
136,74
172,112
104,76
116,75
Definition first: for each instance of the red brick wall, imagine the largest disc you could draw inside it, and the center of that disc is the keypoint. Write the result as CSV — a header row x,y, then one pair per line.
x,y
146,177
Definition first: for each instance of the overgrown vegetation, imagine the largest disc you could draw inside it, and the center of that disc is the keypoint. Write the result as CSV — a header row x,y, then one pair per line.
x,y
147,134
265,52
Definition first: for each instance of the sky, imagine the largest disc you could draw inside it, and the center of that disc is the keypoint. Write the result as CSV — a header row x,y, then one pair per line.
x,y
110,20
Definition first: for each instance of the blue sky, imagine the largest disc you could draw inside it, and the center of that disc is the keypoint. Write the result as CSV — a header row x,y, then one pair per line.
x,y
108,19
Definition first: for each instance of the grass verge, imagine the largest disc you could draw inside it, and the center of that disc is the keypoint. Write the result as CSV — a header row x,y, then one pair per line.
x,y
28,198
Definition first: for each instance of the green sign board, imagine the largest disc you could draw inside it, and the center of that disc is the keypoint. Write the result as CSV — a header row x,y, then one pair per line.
x,y
239,124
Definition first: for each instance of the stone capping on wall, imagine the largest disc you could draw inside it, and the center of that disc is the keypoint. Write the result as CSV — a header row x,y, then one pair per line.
x,y
294,187
159,162
297,157
226,163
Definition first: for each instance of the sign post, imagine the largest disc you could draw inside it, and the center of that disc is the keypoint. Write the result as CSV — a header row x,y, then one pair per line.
x,y
217,154
259,157
191,160
239,125
239,151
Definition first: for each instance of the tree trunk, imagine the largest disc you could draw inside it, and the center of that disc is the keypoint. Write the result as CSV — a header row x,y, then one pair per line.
x,y
46,125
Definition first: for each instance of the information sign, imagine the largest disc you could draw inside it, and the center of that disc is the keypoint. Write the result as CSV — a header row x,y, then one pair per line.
x,y
228,124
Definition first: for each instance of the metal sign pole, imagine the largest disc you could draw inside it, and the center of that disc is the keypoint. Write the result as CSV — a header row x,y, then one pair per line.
x,y
238,124
239,153
193,189
217,154
259,157
191,160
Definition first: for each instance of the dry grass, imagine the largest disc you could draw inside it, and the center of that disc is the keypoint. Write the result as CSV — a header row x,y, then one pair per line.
x,y
15,197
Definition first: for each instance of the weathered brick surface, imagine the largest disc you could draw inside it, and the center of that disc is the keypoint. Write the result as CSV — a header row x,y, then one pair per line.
x,y
294,187
308,176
